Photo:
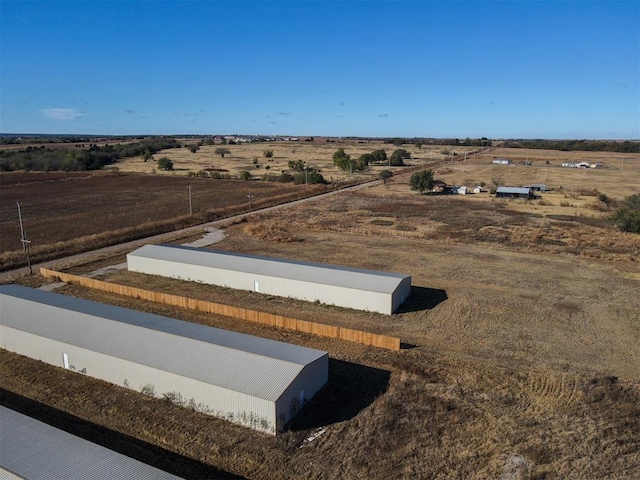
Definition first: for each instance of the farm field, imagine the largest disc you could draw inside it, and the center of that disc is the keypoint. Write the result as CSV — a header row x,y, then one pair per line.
x,y
521,353
72,212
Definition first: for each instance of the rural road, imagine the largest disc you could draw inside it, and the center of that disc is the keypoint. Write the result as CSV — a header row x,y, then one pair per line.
x,y
171,236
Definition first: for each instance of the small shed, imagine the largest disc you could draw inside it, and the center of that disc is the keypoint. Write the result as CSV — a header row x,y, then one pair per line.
x,y
438,186
515,192
360,289
537,187
252,381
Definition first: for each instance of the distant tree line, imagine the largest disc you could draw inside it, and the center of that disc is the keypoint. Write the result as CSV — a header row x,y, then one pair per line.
x,y
92,158
31,139
576,145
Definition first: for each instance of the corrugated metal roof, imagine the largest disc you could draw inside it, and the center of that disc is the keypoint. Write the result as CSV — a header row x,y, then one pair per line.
x,y
34,450
252,365
368,280
519,190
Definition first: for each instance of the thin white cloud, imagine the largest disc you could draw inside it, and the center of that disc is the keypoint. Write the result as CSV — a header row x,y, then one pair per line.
x,y
59,113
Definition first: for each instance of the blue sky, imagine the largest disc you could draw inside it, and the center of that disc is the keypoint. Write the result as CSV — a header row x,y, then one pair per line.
x,y
506,69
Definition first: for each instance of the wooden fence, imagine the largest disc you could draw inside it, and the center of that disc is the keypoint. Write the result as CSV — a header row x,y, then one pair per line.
x,y
358,336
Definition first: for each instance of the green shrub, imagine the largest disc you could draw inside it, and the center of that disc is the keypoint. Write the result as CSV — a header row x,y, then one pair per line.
x,y
165,163
627,217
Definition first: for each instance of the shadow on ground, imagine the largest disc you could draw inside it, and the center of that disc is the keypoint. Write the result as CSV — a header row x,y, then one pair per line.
x,y
144,452
422,298
351,389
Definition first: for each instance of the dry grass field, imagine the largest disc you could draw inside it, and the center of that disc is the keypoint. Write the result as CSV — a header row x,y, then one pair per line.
x,y
316,155
521,355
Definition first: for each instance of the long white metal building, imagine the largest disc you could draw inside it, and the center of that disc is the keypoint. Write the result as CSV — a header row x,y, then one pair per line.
x,y
248,380
369,290
32,449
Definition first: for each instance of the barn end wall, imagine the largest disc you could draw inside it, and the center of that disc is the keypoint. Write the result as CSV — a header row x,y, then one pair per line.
x,y
401,294
236,407
310,380
354,298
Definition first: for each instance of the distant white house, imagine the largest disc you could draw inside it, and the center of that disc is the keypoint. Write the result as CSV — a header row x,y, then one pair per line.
x,y
477,189
583,165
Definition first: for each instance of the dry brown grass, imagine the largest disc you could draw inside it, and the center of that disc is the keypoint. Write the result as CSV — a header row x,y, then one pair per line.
x,y
317,155
523,326
271,231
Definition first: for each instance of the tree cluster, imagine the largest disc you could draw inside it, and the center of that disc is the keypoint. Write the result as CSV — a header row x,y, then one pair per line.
x,y
627,217
165,163
398,157
422,181
92,158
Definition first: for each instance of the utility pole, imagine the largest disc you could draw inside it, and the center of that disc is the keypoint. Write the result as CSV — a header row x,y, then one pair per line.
x,y
249,197
23,239
190,202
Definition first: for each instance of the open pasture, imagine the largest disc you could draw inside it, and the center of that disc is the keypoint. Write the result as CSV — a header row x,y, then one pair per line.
x,y
521,340
616,180
314,154
514,359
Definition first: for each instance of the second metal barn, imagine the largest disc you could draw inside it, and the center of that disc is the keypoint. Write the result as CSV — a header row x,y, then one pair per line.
x,y
252,381
369,290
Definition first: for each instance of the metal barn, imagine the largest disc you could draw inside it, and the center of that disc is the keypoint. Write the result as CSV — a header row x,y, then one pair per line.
x,y
369,290
33,449
515,192
248,380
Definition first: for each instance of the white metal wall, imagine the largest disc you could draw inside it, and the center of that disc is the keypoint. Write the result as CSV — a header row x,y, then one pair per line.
x,y
312,378
401,293
220,401
328,294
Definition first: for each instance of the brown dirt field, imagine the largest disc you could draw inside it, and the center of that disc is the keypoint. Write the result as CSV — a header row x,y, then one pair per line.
x,y
521,358
72,212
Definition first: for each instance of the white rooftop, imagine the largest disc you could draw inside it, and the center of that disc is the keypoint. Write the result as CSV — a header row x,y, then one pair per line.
x,y
368,280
